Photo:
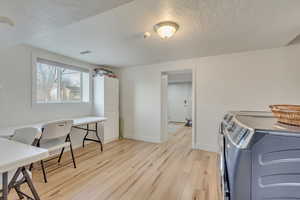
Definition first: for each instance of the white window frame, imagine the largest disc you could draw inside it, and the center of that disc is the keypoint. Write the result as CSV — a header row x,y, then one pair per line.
x,y
62,64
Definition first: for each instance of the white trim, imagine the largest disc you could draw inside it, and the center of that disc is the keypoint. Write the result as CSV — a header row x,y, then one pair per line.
x,y
194,100
172,121
58,58
59,85
61,102
206,147
108,140
33,80
65,64
81,87
164,109
144,138
194,107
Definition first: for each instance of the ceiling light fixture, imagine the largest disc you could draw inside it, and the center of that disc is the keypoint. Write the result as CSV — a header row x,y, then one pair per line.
x,y
166,29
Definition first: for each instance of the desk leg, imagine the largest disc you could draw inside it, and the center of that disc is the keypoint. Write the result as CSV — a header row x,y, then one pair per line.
x,y
87,133
16,185
97,134
30,184
88,130
4,185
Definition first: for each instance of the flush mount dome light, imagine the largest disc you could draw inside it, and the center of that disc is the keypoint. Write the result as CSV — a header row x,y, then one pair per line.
x,y
166,29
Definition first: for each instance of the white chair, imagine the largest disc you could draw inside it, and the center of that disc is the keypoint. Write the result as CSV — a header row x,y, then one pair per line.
x,y
55,137
26,135
20,176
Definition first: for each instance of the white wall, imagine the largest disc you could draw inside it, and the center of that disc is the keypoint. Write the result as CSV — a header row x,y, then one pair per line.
x,y
178,111
248,81
15,90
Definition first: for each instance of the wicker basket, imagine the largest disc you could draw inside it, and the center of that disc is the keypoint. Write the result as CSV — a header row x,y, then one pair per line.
x,y
287,114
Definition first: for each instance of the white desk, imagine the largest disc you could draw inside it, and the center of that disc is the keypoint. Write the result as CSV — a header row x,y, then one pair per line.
x,y
14,155
88,120
8,132
78,122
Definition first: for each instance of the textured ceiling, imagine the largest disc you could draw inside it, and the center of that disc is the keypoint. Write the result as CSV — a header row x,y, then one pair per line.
x,y
207,27
37,17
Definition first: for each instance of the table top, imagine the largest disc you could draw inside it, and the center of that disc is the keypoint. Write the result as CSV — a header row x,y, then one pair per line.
x,y
87,120
14,155
7,132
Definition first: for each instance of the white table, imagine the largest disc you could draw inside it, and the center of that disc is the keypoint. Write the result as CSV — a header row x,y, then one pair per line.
x,y
77,123
15,155
8,132
88,120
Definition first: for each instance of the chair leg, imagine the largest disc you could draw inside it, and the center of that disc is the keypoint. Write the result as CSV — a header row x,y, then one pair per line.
x,y
31,166
20,195
44,172
60,155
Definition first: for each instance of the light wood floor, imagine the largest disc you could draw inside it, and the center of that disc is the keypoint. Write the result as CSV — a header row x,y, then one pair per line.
x,y
133,170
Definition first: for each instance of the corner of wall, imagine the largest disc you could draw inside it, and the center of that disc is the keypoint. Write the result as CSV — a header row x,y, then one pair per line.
x,y
144,138
206,147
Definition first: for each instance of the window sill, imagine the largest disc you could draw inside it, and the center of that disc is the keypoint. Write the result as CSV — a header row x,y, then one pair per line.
x,y
63,102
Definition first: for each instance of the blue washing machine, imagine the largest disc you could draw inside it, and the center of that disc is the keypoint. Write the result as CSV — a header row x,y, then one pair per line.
x,y
260,158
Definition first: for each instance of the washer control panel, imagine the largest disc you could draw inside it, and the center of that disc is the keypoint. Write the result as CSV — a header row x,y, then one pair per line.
x,y
235,131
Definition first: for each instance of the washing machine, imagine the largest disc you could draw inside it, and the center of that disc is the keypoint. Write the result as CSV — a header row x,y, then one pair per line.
x,y
260,158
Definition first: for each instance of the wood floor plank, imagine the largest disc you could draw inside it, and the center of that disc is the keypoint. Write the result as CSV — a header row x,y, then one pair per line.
x,y
133,170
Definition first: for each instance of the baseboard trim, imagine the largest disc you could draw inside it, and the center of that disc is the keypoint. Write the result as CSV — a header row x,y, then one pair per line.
x,y
143,138
89,142
177,122
206,147
110,140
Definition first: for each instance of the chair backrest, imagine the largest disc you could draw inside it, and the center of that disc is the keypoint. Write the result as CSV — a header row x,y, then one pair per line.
x,y
56,129
25,135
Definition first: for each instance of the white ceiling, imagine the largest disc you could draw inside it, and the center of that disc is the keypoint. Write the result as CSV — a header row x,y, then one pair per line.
x,y
38,17
207,27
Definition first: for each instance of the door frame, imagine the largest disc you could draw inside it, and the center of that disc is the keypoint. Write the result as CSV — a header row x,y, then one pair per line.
x,y
164,105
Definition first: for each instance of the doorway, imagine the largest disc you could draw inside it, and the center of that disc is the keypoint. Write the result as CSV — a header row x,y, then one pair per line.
x,y
177,103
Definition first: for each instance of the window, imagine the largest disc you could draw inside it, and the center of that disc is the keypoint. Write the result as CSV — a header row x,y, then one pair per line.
x,y
60,83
